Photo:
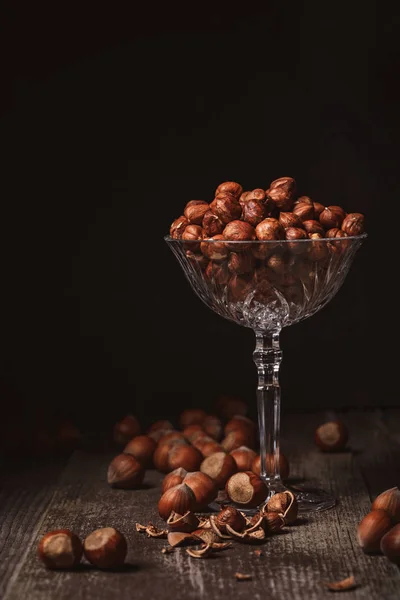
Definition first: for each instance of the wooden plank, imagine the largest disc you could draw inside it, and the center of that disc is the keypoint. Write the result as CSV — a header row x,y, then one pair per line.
x,y
293,564
26,491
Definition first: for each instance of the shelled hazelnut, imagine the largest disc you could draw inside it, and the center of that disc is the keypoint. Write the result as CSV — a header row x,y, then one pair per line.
x,y
195,211
226,208
353,224
178,227
191,234
270,229
304,211
215,248
239,231
241,262
313,226
332,216
282,192
290,219
253,212
212,224
231,187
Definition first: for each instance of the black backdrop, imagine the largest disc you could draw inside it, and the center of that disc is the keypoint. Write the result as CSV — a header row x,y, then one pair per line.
x,y
112,123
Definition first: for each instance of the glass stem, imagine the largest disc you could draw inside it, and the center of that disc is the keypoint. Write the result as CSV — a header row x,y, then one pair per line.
x,y
267,357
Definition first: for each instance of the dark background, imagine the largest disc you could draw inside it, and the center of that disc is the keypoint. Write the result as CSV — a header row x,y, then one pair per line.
x,y
111,122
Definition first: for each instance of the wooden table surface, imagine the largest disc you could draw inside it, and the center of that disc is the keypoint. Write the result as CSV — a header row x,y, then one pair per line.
x,y
294,565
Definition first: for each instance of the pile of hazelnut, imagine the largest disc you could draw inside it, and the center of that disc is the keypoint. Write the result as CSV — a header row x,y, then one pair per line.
x,y
276,213
379,531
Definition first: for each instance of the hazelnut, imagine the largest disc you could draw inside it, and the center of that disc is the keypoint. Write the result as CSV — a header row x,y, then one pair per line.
x,y
191,235
171,437
125,472
174,478
335,232
239,231
318,208
231,187
277,264
229,406
285,504
331,436
304,211
185,456
212,224
305,199
215,248
195,211
158,434
192,416
289,219
60,549
389,501
226,208
256,194
179,499
390,545
199,261
142,448
229,515
295,233
178,227
270,229
240,422
241,262
283,465
161,455
162,425
192,431
372,529
282,192
244,458
253,212
353,224
217,274
126,429
246,489
209,446
219,467
203,487
213,427
312,226
105,548
235,439
319,250
239,287
332,216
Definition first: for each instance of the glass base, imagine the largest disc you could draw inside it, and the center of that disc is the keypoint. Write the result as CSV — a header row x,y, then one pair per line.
x,y
310,500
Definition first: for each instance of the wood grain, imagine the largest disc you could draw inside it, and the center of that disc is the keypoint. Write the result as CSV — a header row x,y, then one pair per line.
x,y
292,565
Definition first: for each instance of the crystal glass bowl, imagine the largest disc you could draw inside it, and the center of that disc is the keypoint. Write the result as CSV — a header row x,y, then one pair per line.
x,y
268,285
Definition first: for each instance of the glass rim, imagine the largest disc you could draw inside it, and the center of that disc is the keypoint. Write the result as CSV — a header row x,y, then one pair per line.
x,y
362,236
